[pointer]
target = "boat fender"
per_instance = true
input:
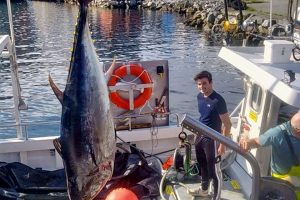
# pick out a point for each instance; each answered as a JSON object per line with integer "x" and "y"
{"x": 120, "y": 73}
{"x": 296, "y": 53}
{"x": 230, "y": 26}
{"x": 121, "y": 194}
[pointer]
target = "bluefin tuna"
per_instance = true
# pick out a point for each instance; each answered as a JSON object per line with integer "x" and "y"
{"x": 87, "y": 142}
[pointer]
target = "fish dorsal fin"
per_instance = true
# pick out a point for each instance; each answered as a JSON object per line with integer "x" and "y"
{"x": 58, "y": 93}
{"x": 57, "y": 146}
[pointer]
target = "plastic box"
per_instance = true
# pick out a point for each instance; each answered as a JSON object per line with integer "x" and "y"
{"x": 277, "y": 51}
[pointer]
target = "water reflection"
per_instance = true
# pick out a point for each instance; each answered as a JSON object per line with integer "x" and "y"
{"x": 44, "y": 37}
{"x": 116, "y": 33}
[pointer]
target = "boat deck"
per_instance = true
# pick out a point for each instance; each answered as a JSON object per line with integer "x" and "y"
{"x": 227, "y": 193}
{"x": 230, "y": 190}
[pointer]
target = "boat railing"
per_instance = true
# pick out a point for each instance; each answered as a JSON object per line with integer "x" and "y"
{"x": 235, "y": 118}
{"x": 199, "y": 128}
{"x": 8, "y": 49}
{"x": 235, "y": 112}
{"x": 10, "y": 131}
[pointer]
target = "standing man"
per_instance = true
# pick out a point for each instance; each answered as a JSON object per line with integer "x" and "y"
{"x": 213, "y": 113}
{"x": 285, "y": 142}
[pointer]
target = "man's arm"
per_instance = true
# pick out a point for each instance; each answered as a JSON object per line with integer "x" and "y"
{"x": 226, "y": 130}
{"x": 227, "y": 124}
{"x": 265, "y": 139}
{"x": 247, "y": 144}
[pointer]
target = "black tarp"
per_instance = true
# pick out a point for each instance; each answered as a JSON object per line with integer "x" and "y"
{"x": 18, "y": 181}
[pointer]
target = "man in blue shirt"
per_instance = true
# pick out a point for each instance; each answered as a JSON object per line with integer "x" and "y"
{"x": 213, "y": 113}
{"x": 284, "y": 163}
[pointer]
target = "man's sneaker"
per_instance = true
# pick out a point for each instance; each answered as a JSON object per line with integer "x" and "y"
{"x": 198, "y": 192}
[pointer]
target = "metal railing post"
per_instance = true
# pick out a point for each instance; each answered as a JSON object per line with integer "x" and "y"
{"x": 14, "y": 74}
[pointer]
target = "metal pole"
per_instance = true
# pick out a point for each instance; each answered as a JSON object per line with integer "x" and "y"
{"x": 12, "y": 35}
{"x": 271, "y": 11}
{"x": 289, "y": 11}
{"x": 14, "y": 74}
{"x": 240, "y": 11}
{"x": 226, "y": 9}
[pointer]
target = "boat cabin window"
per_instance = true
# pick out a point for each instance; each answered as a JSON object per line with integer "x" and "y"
{"x": 256, "y": 97}
{"x": 296, "y": 12}
{"x": 297, "y": 19}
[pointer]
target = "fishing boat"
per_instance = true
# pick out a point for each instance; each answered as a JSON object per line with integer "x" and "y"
{"x": 140, "y": 107}
{"x": 124, "y": 4}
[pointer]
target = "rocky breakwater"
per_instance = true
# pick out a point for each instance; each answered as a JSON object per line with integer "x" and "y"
{"x": 207, "y": 16}
{"x": 210, "y": 17}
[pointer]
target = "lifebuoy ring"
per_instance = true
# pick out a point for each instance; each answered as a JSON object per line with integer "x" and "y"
{"x": 134, "y": 70}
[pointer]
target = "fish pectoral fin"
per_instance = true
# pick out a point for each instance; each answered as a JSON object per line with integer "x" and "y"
{"x": 58, "y": 93}
{"x": 57, "y": 146}
{"x": 110, "y": 70}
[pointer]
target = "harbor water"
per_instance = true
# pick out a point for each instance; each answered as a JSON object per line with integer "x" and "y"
{"x": 44, "y": 38}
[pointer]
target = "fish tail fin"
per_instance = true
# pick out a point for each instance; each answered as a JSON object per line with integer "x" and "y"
{"x": 84, "y": 2}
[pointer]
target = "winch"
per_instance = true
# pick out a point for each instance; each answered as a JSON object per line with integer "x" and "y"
{"x": 182, "y": 157}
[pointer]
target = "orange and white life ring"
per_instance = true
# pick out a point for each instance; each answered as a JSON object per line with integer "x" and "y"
{"x": 121, "y": 72}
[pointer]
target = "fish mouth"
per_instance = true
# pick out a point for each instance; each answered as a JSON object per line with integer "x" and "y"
{"x": 92, "y": 186}
{"x": 91, "y": 183}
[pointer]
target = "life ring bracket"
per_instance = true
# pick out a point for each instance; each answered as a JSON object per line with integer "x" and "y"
{"x": 127, "y": 87}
